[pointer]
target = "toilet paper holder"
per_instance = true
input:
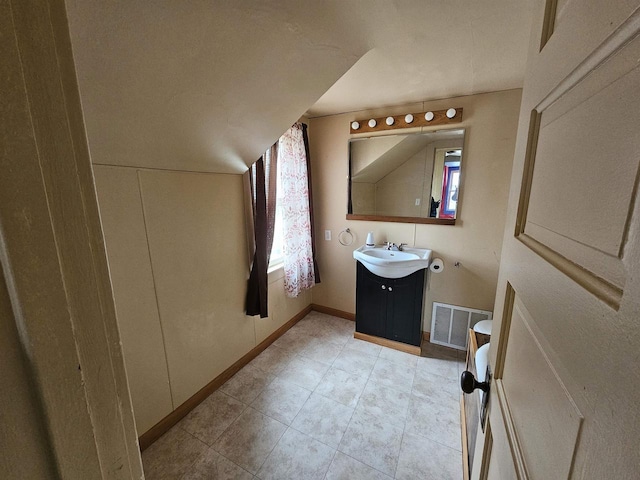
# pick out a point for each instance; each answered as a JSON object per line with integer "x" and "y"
{"x": 437, "y": 265}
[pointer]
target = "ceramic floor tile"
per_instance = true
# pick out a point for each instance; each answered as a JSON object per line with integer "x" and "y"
{"x": 250, "y": 439}
{"x": 445, "y": 367}
{"x": 281, "y": 400}
{"x": 339, "y": 322}
{"x": 344, "y": 467}
{"x": 213, "y": 466}
{"x": 440, "y": 351}
{"x": 297, "y": 457}
{"x": 436, "y": 387}
{"x": 373, "y": 442}
{"x": 432, "y": 420}
{"x": 341, "y": 386}
{"x": 423, "y": 458}
{"x": 171, "y": 455}
{"x": 313, "y": 315}
{"x": 343, "y": 325}
{"x": 323, "y": 419}
{"x": 338, "y": 326}
{"x": 209, "y": 419}
{"x": 363, "y": 417}
{"x": 321, "y": 317}
{"x": 333, "y": 335}
{"x": 388, "y": 404}
{"x": 393, "y": 375}
{"x": 306, "y": 331}
{"x": 307, "y": 326}
{"x": 273, "y": 359}
{"x": 293, "y": 342}
{"x": 399, "y": 357}
{"x": 352, "y": 361}
{"x": 321, "y": 351}
{"x": 363, "y": 347}
{"x": 304, "y": 372}
{"x": 348, "y": 331}
{"x": 247, "y": 384}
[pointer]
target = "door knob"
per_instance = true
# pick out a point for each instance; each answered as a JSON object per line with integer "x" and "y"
{"x": 383, "y": 287}
{"x": 468, "y": 383}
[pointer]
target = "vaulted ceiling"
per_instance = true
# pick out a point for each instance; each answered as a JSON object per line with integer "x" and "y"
{"x": 209, "y": 85}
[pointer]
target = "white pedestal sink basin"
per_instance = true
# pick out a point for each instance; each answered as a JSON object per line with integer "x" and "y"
{"x": 393, "y": 264}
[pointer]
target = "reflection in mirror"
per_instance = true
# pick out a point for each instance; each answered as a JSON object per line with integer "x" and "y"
{"x": 414, "y": 175}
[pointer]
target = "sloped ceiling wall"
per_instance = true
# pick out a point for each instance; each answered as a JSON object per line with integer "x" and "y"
{"x": 198, "y": 85}
{"x": 209, "y": 85}
{"x": 433, "y": 49}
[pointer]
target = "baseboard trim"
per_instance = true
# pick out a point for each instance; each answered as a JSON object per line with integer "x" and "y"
{"x": 333, "y": 311}
{"x": 160, "y": 428}
{"x": 403, "y": 347}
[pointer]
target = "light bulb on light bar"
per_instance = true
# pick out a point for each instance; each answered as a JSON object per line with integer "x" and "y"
{"x": 408, "y": 118}
{"x": 355, "y": 125}
{"x": 428, "y": 116}
{"x": 451, "y": 113}
{"x": 372, "y": 123}
{"x": 389, "y": 121}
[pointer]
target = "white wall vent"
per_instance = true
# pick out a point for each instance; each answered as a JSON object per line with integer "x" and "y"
{"x": 450, "y": 324}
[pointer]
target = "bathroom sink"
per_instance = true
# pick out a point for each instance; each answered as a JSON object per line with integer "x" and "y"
{"x": 390, "y": 263}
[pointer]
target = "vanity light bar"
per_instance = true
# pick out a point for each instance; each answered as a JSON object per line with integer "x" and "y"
{"x": 410, "y": 120}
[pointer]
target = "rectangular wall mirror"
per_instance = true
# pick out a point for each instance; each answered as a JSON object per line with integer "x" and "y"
{"x": 411, "y": 178}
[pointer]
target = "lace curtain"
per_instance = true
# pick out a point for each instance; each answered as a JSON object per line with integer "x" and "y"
{"x": 300, "y": 271}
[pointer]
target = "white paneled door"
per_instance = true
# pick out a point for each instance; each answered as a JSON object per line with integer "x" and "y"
{"x": 566, "y": 334}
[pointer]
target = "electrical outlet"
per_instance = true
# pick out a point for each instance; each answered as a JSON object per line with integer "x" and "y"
{"x": 417, "y": 202}
{"x": 327, "y": 234}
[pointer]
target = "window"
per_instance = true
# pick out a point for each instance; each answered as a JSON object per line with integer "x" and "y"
{"x": 277, "y": 255}
{"x": 292, "y": 246}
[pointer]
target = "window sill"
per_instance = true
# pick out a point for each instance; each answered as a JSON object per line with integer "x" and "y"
{"x": 275, "y": 271}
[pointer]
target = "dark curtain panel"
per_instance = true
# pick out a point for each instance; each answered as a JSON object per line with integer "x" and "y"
{"x": 305, "y": 136}
{"x": 263, "y": 176}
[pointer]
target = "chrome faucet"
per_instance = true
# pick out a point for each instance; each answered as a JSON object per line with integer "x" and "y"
{"x": 395, "y": 248}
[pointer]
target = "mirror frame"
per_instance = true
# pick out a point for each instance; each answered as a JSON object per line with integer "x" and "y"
{"x": 383, "y": 218}
{"x": 396, "y": 219}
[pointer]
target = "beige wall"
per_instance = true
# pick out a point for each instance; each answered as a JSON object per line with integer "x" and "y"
{"x": 365, "y": 153}
{"x": 396, "y": 192}
{"x": 363, "y": 198}
{"x": 475, "y": 241}
{"x": 176, "y": 245}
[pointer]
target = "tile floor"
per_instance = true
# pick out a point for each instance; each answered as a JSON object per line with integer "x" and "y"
{"x": 319, "y": 404}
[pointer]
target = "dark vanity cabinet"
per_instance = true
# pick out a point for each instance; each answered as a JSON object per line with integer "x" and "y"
{"x": 390, "y": 308}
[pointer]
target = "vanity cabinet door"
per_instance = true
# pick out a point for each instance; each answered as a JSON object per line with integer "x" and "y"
{"x": 371, "y": 302}
{"x": 390, "y": 308}
{"x": 404, "y": 309}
